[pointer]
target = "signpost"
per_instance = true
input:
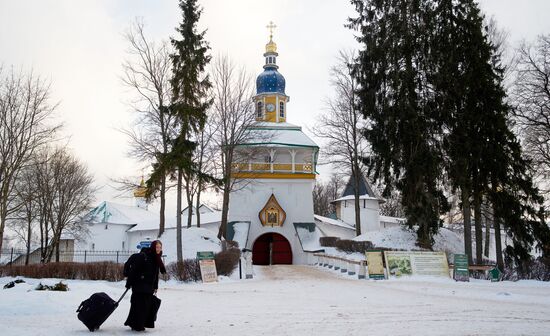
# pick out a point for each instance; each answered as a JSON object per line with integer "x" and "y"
{"x": 208, "y": 266}
{"x": 144, "y": 244}
{"x": 461, "y": 272}
{"x": 375, "y": 265}
{"x": 419, "y": 263}
{"x": 495, "y": 275}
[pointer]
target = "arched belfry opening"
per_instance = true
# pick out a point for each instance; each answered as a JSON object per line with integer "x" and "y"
{"x": 271, "y": 249}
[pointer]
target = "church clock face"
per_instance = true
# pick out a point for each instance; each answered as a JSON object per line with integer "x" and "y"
{"x": 270, "y": 107}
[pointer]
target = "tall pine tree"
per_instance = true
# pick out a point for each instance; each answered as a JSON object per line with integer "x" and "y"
{"x": 189, "y": 103}
{"x": 404, "y": 127}
{"x": 483, "y": 156}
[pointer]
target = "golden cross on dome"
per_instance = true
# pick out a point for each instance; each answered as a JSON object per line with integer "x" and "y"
{"x": 270, "y": 26}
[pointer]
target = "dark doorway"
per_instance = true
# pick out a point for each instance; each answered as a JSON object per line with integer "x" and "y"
{"x": 271, "y": 249}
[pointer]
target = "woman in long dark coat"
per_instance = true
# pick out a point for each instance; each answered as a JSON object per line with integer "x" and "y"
{"x": 143, "y": 278}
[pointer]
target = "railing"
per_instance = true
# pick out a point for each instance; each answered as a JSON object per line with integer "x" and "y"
{"x": 273, "y": 167}
{"x": 18, "y": 257}
{"x": 344, "y": 265}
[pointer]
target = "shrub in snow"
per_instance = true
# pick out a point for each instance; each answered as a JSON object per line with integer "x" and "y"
{"x": 185, "y": 271}
{"x": 109, "y": 271}
{"x": 227, "y": 261}
{"x": 538, "y": 269}
{"x": 351, "y": 246}
{"x": 60, "y": 287}
{"x": 328, "y": 241}
{"x": 12, "y": 284}
{"x": 230, "y": 244}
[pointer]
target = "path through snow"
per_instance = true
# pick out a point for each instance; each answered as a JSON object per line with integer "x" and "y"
{"x": 297, "y": 300}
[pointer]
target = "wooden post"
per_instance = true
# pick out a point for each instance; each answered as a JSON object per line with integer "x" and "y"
{"x": 362, "y": 270}
{"x": 248, "y": 265}
{"x": 344, "y": 266}
{"x": 351, "y": 268}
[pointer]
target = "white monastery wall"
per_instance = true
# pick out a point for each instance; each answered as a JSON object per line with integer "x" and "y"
{"x": 294, "y": 196}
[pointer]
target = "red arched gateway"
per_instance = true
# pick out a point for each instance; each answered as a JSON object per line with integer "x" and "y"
{"x": 271, "y": 249}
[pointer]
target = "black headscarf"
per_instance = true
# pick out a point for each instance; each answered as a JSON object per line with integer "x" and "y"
{"x": 158, "y": 257}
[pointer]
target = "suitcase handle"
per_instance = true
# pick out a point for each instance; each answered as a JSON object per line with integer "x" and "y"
{"x": 126, "y": 291}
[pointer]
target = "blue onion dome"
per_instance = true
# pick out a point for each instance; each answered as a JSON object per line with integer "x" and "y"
{"x": 270, "y": 81}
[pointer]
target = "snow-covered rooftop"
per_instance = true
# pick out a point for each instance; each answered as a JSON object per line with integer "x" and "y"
{"x": 267, "y": 124}
{"x": 395, "y": 220}
{"x": 335, "y": 222}
{"x": 278, "y": 135}
{"x": 361, "y": 197}
{"x": 170, "y": 221}
{"x": 113, "y": 213}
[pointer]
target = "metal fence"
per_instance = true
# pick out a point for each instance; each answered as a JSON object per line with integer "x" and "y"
{"x": 18, "y": 257}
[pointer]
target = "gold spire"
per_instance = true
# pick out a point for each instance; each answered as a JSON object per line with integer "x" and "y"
{"x": 141, "y": 190}
{"x": 271, "y": 47}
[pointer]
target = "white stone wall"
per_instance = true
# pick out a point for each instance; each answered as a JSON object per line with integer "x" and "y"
{"x": 330, "y": 230}
{"x": 294, "y": 196}
{"x": 370, "y": 215}
{"x": 105, "y": 237}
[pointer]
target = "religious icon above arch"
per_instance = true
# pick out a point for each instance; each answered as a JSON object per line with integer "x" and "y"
{"x": 272, "y": 213}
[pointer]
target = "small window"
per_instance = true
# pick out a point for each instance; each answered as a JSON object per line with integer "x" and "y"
{"x": 281, "y": 109}
{"x": 123, "y": 246}
{"x": 259, "y": 109}
{"x": 106, "y": 226}
{"x": 93, "y": 246}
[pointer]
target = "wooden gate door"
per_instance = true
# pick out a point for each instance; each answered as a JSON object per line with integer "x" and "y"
{"x": 271, "y": 249}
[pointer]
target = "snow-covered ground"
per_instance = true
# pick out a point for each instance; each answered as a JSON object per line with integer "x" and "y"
{"x": 401, "y": 238}
{"x": 295, "y": 300}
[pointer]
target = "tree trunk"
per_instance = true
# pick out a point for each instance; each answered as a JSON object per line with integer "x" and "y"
{"x": 41, "y": 240}
{"x": 162, "y": 207}
{"x": 189, "y": 196}
{"x": 1, "y": 236}
{"x": 478, "y": 228}
{"x": 29, "y": 235}
{"x": 355, "y": 173}
{"x": 496, "y": 225}
{"x": 3, "y": 216}
{"x": 198, "y": 214}
{"x": 178, "y": 218}
{"x": 486, "y": 247}
{"x": 227, "y": 163}
{"x": 57, "y": 251}
{"x": 222, "y": 233}
{"x": 467, "y": 224}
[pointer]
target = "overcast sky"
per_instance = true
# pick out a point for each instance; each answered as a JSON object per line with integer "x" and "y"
{"x": 79, "y": 47}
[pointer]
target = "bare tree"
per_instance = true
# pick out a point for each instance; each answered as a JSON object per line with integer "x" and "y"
{"x": 72, "y": 196}
{"x": 531, "y": 93}
{"x": 341, "y": 126}
{"x": 25, "y": 116}
{"x": 232, "y": 115}
{"x": 206, "y": 156}
{"x": 147, "y": 71}
{"x": 25, "y": 219}
{"x": 321, "y": 201}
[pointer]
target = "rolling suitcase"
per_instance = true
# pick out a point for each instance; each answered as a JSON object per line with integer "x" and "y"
{"x": 95, "y": 310}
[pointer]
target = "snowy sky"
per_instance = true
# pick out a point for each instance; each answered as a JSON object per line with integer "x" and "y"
{"x": 79, "y": 46}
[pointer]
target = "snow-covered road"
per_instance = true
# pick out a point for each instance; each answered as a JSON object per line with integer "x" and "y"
{"x": 297, "y": 300}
